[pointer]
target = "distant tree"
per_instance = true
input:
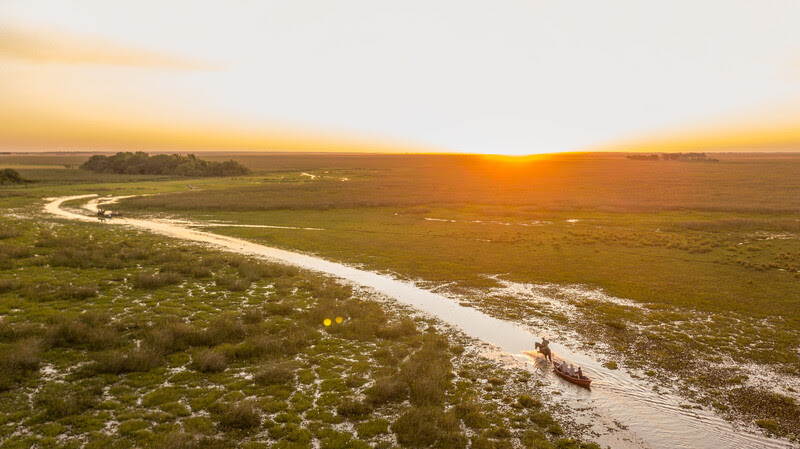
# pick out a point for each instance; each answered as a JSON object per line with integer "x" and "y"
{"x": 688, "y": 157}
{"x": 11, "y": 176}
{"x": 141, "y": 163}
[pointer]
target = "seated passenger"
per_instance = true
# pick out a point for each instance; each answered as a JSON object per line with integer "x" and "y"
{"x": 563, "y": 367}
{"x": 571, "y": 370}
{"x": 580, "y": 373}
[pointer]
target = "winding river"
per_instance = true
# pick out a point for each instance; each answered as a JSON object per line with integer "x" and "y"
{"x": 640, "y": 416}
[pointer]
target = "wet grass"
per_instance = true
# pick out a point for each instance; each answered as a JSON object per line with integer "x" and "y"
{"x": 192, "y": 363}
{"x": 709, "y": 250}
{"x": 694, "y": 244}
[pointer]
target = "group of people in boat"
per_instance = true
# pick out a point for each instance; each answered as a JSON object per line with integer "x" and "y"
{"x": 570, "y": 370}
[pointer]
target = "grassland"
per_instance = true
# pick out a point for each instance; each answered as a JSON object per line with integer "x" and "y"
{"x": 114, "y": 338}
{"x": 710, "y": 250}
{"x": 709, "y": 253}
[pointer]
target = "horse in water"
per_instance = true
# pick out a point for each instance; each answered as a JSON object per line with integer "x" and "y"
{"x": 545, "y": 350}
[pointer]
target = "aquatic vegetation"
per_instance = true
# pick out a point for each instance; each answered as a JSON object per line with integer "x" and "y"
{"x": 189, "y": 363}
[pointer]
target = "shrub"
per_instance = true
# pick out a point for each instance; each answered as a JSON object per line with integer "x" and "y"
{"x": 180, "y": 440}
{"x": 353, "y": 409}
{"x": 83, "y": 333}
{"x": 233, "y": 283}
{"x": 172, "y": 336}
{"x": 252, "y": 316}
{"x": 223, "y": 329}
{"x": 495, "y": 381}
{"x": 209, "y": 361}
{"x": 252, "y": 271}
{"x": 254, "y": 348}
{"x": 278, "y": 309}
{"x": 529, "y": 402}
{"x": 133, "y": 360}
{"x": 10, "y": 251}
{"x": 59, "y": 400}
{"x": 402, "y": 328}
{"x": 7, "y": 232}
{"x": 428, "y": 371}
{"x": 156, "y": 280}
{"x": 189, "y": 268}
{"x": 611, "y": 365}
{"x": 7, "y": 285}
{"x": 372, "y": 428}
{"x": 470, "y": 413}
{"x": 239, "y": 416}
{"x": 424, "y": 427}
{"x": 387, "y": 389}
{"x": 82, "y": 257}
{"x": 78, "y": 292}
{"x": 769, "y": 425}
{"x": 17, "y": 359}
{"x": 279, "y": 373}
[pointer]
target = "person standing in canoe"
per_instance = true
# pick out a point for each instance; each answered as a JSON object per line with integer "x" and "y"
{"x": 544, "y": 348}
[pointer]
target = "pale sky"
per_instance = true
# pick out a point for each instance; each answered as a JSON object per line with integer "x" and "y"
{"x": 507, "y": 77}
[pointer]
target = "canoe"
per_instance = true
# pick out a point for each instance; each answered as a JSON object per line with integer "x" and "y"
{"x": 585, "y": 382}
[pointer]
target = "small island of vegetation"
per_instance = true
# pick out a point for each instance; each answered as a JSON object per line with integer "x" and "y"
{"x": 11, "y": 176}
{"x": 141, "y": 163}
{"x": 683, "y": 157}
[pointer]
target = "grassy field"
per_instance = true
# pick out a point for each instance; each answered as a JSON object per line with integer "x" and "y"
{"x": 112, "y": 338}
{"x": 709, "y": 251}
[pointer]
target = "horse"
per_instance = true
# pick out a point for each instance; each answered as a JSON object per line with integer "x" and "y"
{"x": 545, "y": 350}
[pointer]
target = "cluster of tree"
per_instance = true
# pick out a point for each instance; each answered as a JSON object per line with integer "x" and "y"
{"x": 11, "y": 176}
{"x": 688, "y": 157}
{"x": 141, "y": 163}
{"x": 684, "y": 157}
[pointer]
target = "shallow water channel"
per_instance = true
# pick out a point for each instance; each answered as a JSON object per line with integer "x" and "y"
{"x": 623, "y": 411}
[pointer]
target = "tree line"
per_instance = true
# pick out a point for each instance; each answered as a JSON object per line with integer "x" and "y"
{"x": 141, "y": 163}
{"x": 685, "y": 157}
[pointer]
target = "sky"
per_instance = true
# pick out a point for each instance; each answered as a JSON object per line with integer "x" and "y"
{"x": 500, "y": 77}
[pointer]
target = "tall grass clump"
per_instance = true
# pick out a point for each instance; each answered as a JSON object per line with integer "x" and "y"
{"x": 85, "y": 257}
{"x": 7, "y": 285}
{"x": 42, "y": 292}
{"x": 209, "y": 361}
{"x": 275, "y": 374}
{"x": 133, "y": 360}
{"x": 223, "y": 329}
{"x": 11, "y": 251}
{"x": 428, "y": 426}
{"x": 354, "y": 409}
{"x": 387, "y": 389}
{"x": 8, "y": 232}
{"x": 233, "y": 283}
{"x": 90, "y": 332}
{"x": 156, "y": 280}
{"x": 18, "y": 359}
{"x": 428, "y": 371}
{"x": 243, "y": 415}
{"x": 60, "y": 400}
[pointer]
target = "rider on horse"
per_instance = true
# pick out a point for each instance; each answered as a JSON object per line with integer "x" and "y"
{"x": 544, "y": 348}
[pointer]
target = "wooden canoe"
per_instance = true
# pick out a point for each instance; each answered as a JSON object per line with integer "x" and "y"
{"x": 585, "y": 382}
